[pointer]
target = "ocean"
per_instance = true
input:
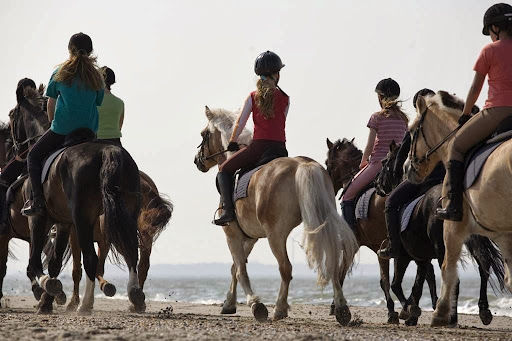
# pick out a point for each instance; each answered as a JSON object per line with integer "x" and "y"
{"x": 208, "y": 284}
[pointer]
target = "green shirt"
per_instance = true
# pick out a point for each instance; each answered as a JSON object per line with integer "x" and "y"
{"x": 75, "y": 107}
{"x": 110, "y": 114}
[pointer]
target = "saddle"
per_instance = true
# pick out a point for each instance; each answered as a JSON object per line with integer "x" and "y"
{"x": 243, "y": 176}
{"x": 476, "y": 157}
{"x": 77, "y": 136}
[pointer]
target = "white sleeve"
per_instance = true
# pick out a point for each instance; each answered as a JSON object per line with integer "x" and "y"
{"x": 244, "y": 116}
{"x": 287, "y": 107}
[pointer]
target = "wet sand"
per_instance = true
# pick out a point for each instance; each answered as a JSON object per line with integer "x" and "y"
{"x": 111, "y": 320}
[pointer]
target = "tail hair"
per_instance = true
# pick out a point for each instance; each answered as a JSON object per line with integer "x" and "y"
{"x": 328, "y": 241}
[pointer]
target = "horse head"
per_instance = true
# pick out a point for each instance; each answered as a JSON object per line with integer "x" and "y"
{"x": 28, "y": 120}
{"x": 5, "y": 144}
{"x": 342, "y": 162}
{"x": 387, "y": 180}
{"x": 215, "y": 138}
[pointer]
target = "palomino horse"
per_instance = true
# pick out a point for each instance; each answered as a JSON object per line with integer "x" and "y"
{"x": 281, "y": 195}
{"x": 342, "y": 163}
{"x": 86, "y": 180}
{"x": 423, "y": 239}
{"x": 486, "y": 204}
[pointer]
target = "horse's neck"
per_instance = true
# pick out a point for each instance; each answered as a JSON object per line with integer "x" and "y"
{"x": 35, "y": 126}
{"x": 439, "y": 127}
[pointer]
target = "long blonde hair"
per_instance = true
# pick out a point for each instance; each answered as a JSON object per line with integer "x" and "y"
{"x": 391, "y": 106}
{"x": 265, "y": 96}
{"x": 83, "y": 66}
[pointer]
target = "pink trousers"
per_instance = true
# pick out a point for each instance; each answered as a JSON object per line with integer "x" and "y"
{"x": 362, "y": 179}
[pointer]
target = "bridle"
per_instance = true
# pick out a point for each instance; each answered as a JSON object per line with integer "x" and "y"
{"x": 414, "y": 160}
{"x": 352, "y": 170}
{"x": 206, "y": 143}
{"x": 17, "y": 146}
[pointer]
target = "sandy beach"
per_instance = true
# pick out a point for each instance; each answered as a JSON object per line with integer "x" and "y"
{"x": 184, "y": 321}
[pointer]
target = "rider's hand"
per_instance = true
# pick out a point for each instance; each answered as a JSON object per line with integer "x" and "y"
{"x": 233, "y": 147}
{"x": 463, "y": 119}
{"x": 363, "y": 164}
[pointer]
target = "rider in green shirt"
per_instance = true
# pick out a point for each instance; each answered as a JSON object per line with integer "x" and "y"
{"x": 111, "y": 111}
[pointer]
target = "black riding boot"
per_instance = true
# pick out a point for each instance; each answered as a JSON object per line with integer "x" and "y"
{"x": 37, "y": 206}
{"x": 454, "y": 190}
{"x": 348, "y": 213}
{"x": 4, "y": 227}
{"x": 392, "y": 250}
{"x": 225, "y": 181}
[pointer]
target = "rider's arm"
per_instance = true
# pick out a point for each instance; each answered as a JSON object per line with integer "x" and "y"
{"x": 242, "y": 120}
{"x": 369, "y": 147}
{"x": 474, "y": 92}
{"x": 121, "y": 120}
{"x": 51, "y": 108}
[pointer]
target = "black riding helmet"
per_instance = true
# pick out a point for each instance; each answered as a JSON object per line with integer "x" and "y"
{"x": 26, "y": 82}
{"x": 388, "y": 88}
{"x": 109, "y": 76}
{"x": 422, "y": 92}
{"x": 267, "y": 63}
{"x": 80, "y": 42}
{"x": 497, "y": 14}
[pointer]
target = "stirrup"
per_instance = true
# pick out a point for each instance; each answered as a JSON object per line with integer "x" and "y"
{"x": 218, "y": 221}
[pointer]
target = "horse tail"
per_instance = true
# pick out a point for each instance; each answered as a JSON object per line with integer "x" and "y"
{"x": 156, "y": 211}
{"x": 488, "y": 256}
{"x": 120, "y": 223}
{"x": 328, "y": 241}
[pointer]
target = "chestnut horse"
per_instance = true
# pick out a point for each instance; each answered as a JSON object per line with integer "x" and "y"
{"x": 281, "y": 195}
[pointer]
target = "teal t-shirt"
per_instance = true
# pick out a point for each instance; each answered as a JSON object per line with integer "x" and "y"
{"x": 76, "y": 106}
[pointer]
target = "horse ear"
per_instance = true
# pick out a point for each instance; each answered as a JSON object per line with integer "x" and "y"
{"x": 352, "y": 141}
{"x": 41, "y": 89}
{"x": 421, "y": 104}
{"x": 329, "y": 143}
{"x": 392, "y": 146}
{"x": 208, "y": 113}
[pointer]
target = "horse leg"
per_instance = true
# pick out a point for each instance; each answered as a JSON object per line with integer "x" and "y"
{"x": 229, "y": 306}
{"x": 45, "y": 305}
{"x": 145, "y": 248}
{"x": 4, "y": 253}
{"x": 38, "y": 232}
{"x": 385, "y": 285}
{"x": 108, "y": 288}
{"x": 236, "y": 246}
{"x": 401, "y": 264}
{"x": 431, "y": 281}
{"x": 278, "y": 247}
{"x": 55, "y": 264}
{"x": 483, "y": 305}
{"x": 417, "y": 289}
{"x": 77, "y": 270}
{"x": 454, "y": 235}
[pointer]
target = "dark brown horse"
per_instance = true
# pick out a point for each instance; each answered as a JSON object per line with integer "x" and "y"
{"x": 342, "y": 163}
{"x": 85, "y": 181}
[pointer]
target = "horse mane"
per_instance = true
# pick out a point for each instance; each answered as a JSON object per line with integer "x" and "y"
{"x": 349, "y": 151}
{"x": 36, "y": 97}
{"x": 224, "y": 120}
{"x": 5, "y": 130}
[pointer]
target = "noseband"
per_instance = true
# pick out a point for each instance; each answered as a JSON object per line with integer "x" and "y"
{"x": 415, "y": 161}
{"x": 206, "y": 143}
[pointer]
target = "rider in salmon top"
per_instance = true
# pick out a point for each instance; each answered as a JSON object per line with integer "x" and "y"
{"x": 495, "y": 62}
{"x": 269, "y": 107}
{"x": 74, "y": 91}
{"x": 386, "y": 125}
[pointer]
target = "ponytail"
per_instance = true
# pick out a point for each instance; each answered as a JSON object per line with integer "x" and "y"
{"x": 81, "y": 66}
{"x": 265, "y": 96}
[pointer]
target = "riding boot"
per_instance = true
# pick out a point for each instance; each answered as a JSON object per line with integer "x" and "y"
{"x": 452, "y": 192}
{"x": 4, "y": 227}
{"x": 348, "y": 213}
{"x": 37, "y": 206}
{"x": 225, "y": 181}
{"x": 392, "y": 250}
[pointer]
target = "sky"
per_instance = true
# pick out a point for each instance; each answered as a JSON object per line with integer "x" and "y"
{"x": 171, "y": 58}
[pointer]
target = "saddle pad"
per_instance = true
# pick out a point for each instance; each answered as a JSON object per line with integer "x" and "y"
{"x": 243, "y": 184}
{"x": 48, "y": 163}
{"x": 477, "y": 161}
{"x": 13, "y": 187}
{"x": 407, "y": 212}
{"x": 363, "y": 204}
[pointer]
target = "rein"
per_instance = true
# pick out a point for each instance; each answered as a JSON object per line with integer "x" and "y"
{"x": 415, "y": 161}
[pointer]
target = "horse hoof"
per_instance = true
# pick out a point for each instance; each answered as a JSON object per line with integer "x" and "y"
{"x": 61, "y": 298}
{"x": 82, "y": 311}
{"x": 230, "y": 310}
{"x": 109, "y": 289}
{"x": 343, "y": 315}
{"x": 37, "y": 291}
{"x": 44, "y": 310}
{"x": 137, "y": 297}
{"x": 411, "y": 321}
{"x": 71, "y": 307}
{"x": 439, "y": 322}
{"x": 393, "y": 318}
{"x": 414, "y": 311}
{"x": 333, "y": 310}
{"x": 53, "y": 287}
{"x": 280, "y": 315}
{"x": 486, "y": 316}
{"x": 260, "y": 312}
{"x": 404, "y": 315}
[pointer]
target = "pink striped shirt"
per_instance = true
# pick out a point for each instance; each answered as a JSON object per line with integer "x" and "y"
{"x": 388, "y": 129}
